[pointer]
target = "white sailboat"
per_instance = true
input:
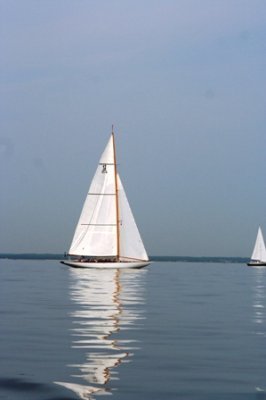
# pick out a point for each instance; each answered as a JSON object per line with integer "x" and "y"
{"x": 106, "y": 235}
{"x": 258, "y": 257}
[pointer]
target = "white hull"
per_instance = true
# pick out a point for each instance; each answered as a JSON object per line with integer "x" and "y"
{"x": 106, "y": 265}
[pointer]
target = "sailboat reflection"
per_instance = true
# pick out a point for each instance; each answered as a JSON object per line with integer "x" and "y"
{"x": 108, "y": 304}
{"x": 259, "y": 302}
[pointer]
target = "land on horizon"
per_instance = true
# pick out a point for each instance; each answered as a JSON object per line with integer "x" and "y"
{"x": 52, "y": 256}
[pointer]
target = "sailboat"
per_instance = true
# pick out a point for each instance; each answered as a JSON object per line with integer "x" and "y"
{"x": 258, "y": 257}
{"x": 106, "y": 235}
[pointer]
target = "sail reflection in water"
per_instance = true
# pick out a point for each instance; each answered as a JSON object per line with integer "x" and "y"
{"x": 108, "y": 304}
{"x": 259, "y": 300}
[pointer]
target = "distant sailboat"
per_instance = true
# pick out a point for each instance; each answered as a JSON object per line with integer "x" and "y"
{"x": 106, "y": 235}
{"x": 258, "y": 257}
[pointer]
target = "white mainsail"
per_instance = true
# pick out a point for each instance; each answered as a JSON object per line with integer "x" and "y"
{"x": 95, "y": 233}
{"x": 106, "y": 227}
{"x": 259, "y": 252}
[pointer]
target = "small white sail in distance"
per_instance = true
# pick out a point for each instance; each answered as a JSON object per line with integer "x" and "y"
{"x": 106, "y": 227}
{"x": 259, "y": 251}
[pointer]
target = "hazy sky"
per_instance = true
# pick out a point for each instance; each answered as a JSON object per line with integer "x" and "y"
{"x": 184, "y": 83}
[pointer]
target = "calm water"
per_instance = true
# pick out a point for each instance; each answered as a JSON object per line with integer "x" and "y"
{"x": 172, "y": 331}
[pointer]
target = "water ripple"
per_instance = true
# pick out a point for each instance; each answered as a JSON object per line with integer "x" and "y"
{"x": 106, "y": 303}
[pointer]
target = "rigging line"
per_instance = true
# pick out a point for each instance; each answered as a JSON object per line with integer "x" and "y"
{"x": 106, "y": 163}
{"x": 99, "y": 224}
{"x": 133, "y": 258}
{"x": 101, "y": 194}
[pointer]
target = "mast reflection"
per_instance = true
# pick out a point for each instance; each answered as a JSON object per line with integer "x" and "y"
{"x": 108, "y": 304}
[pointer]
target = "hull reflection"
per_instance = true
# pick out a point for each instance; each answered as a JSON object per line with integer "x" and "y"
{"x": 108, "y": 304}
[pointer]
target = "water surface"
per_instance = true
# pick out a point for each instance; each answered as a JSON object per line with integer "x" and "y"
{"x": 174, "y": 330}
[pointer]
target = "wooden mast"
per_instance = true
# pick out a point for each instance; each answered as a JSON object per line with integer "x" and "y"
{"x": 116, "y": 201}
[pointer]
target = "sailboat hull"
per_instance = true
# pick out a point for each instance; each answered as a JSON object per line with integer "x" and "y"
{"x": 106, "y": 265}
{"x": 257, "y": 264}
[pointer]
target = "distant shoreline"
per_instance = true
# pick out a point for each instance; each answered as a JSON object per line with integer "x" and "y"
{"x": 48, "y": 256}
